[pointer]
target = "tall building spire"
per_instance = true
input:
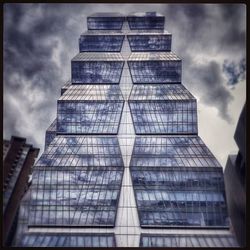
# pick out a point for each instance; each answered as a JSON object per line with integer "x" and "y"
{"x": 123, "y": 164}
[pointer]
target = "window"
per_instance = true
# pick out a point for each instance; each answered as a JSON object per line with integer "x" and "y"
{"x": 145, "y": 22}
{"x": 50, "y": 133}
{"x": 67, "y": 240}
{"x": 97, "y": 68}
{"x": 163, "y": 109}
{"x": 90, "y": 109}
{"x": 172, "y": 189}
{"x": 105, "y": 21}
{"x": 154, "y": 67}
{"x": 101, "y": 43}
{"x": 187, "y": 240}
{"x": 150, "y": 42}
{"x": 77, "y": 182}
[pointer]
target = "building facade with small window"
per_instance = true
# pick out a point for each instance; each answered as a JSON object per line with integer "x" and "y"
{"x": 18, "y": 159}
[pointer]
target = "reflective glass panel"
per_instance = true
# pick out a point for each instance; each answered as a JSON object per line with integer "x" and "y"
{"x": 188, "y": 240}
{"x": 163, "y": 109}
{"x": 148, "y": 20}
{"x": 50, "y": 133}
{"x": 160, "y": 92}
{"x": 96, "y": 68}
{"x": 169, "y": 194}
{"x": 154, "y": 67}
{"x": 149, "y": 42}
{"x": 67, "y": 240}
{"x": 102, "y": 43}
{"x": 77, "y": 182}
{"x": 90, "y": 109}
{"x": 172, "y": 151}
{"x": 65, "y": 87}
{"x": 105, "y": 21}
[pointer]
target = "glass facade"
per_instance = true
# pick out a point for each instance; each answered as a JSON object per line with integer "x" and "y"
{"x": 171, "y": 151}
{"x": 101, "y": 43}
{"x": 77, "y": 182}
{"x": 90, "y": 109}
{"x": 187, "y": 240}
{"x": 105, "y": 21}
{"x": 96, "y": 68}
{"x": 152, "y": 42}
{"x": 154, "y": 67}
{"x": 123, "y": 164}
{"x": 50, "y": 133}
{"x": 66, "y": 86}
{"x": 163, "y": 109}
{"x": 148, "y": 20}
{"x": 65, "y": 240}
{"x": 188, "y": 199}
{"x": 177, "y": 182}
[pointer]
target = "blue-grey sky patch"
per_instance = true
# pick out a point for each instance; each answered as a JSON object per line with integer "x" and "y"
{"x": 235, "y": 72}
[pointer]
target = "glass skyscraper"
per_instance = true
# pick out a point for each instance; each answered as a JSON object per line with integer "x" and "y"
{"x": 123, "y": 164}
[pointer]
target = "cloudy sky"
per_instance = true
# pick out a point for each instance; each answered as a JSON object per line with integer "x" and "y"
{"x": 41, "y": 39}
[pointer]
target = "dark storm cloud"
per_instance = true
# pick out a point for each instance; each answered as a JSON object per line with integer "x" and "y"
{"x": 200, "y": 31}
{"x": 213, "y": 92}
{"x": 209, "y": 26}
{"x": 32, "y": 77}
{"x": 41, "y": 39}
{"x": 235, "y": 72}
{"x": 235, "y": 36}
{"x": 28, "y": 50}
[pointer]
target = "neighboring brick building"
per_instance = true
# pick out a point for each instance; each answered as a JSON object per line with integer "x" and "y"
{"x": 18, "y": 159}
